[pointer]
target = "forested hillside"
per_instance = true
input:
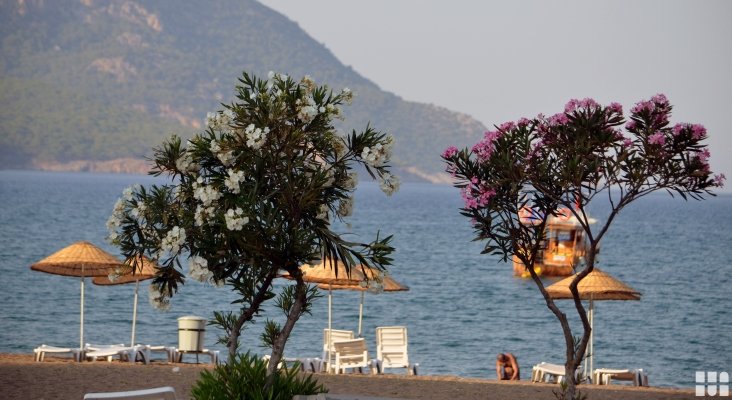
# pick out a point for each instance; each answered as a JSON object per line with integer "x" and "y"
{"x": 99, "y": 80}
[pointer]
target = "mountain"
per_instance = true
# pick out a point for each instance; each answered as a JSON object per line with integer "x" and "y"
{"x": 87, "y": 82}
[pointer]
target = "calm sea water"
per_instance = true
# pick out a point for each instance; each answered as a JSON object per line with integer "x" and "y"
{"x": 463, "y": 308}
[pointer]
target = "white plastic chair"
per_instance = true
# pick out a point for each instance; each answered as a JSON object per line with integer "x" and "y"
{"x": 160, "y": 393}
{"x": 392, "y": 349}
{"x": 350, "y": 354}
{"x": 40, "y": 352}
{"x": 338, "y": 335}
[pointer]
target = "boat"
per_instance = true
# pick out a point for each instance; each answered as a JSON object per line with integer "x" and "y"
{"x": 566, "y": 244}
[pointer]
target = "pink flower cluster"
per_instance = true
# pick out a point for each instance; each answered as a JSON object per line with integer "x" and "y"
{"x": 719, "y": 180}
{"x": 484, "y": 148}
{"x": 657, "y": 138}
{"x": 658, "y": 108}
{"x": 477, "y": 194}
{"x": 449, "y": 152}
{"x": 698, "y": 131}
{"x": 586, "y": 103}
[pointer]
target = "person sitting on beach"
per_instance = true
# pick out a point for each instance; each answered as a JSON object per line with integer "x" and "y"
{"x": 507, "y": 367}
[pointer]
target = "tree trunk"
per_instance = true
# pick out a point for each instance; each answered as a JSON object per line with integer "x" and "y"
{"x": 278, "y": 347}
{"x": 247, "y": 314}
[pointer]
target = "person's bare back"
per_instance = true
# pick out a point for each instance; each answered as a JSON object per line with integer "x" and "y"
{"x": 507, "y": 367}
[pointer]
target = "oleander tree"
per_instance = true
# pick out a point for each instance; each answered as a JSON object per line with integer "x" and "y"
{"x": 565, "y": 161}
{"x": 255, "y": 196}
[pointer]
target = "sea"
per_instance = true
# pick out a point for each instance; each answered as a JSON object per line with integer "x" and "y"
{"x": 462, "y": 308}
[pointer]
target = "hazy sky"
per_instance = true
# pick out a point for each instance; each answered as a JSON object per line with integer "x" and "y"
{"x": 500, "y": 61}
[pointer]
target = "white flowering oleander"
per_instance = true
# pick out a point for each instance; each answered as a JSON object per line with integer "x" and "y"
{"x": 380, "y": 154}
{"x": 206, "y": 194}
{"x": 204, "y": 214}
{"x": 307, "y": 109}
{"x": 339, "y": 146}
{"x": 221, "y": 122}
{"x": 323, "y": 212}
{"x": 389, "y": 183}
{"x": 345, "y": 208}
{"x": 185, "y": 163}
{"x": 198, "y": 269}
{"x": 129, "y": 191}
{"x": 255, "y": 136}
{"x": 173, "y": 240}
{"x": 139, "y": 211}
{"x": 347, "y": 95}
{"x": 158, "y": 300}
{"x": 351, "y": 181}
{"x": 226, "y": 157}
{"x": 233, "y": 180}
{"x": 235, "y": 219}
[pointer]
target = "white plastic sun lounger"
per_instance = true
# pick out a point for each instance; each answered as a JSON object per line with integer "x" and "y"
{"x": 391, "y": 349}
{"x": 161, "y": 393}
{"x": 40, "y": 352}
{"x": 546, "y": 372}
{"x": 604, "y": 376}
{"x": 125, "y": 353}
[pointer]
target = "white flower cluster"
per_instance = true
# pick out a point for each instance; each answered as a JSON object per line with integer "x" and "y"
{"x": 235, "y": 219}
{"x": 233, "y": 180}
{"x": 389, "y": 183}
{"x": 226, "y": 157}
{"x": 203, "y": 214}
{"x": 347, "y": 95}
{"x": 206, "y": 194}
{"x": 323, "y": 212}
{"x": 139, "y": 211}
{"x": 351, "y": 181}
{"x": 198, "y": 269}
{"x": 221, "y": 122}
{"x": 185, "y": 163}
{"x": 345, "y": 208}
{"x": 158, "y": 300}
{"x": 307, "y": 110}
{"x": 115, "y": 220}
{"x": 339, "y": 146}
{"x": 255, "y": 136}
{"x": 379, "y": 154}
{"x": 173, "y": 240}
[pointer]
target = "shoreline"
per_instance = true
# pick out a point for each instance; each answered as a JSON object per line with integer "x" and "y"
{"x": 61, "y": 378}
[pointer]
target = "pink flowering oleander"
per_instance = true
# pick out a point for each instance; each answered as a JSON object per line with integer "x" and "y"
{"x": 523, "y": 122}
{"x": 679, "y": 128}
{"x": 616, "y": 107}
{"x": 574, "y": 104}
{"x": 698, "y": 131}
{"x": 627, "y": 142}
{"x": 484, "y": 148}
{"x": 631, "y": 125}
{"x": 450, "y": 152}
{"x": 719, "y": 180}
{"x": 507, "y": 126}
{"x": 657, "y": 138}
{"x": 704, "y": 156}
{"x": 558, "y": 119}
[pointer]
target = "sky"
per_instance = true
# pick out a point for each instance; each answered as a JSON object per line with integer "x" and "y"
{"x": 500, "y": 61}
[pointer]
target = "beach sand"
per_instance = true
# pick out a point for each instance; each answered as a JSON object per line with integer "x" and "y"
{"x": 61, "y": 378}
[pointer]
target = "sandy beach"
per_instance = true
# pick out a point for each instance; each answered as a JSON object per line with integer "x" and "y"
{"x": 60, "y": 378}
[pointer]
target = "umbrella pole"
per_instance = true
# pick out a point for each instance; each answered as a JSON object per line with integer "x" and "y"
{"x": 134, "y": 313}
{"x": 330, "y": 323}
{"x": 360, "y": 315}
{"x": 592, "y": 335}
{"x": 81, "y": 317}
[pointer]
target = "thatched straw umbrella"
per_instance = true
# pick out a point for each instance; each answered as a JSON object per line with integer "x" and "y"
{"x": 80, "y": 259}
{"x": 597, "y": 285}
{"x": 134, "y": 270}
{"x": 375, "y": 283}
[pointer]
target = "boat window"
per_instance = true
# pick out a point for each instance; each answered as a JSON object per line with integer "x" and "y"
{"x": 565, "y": 236}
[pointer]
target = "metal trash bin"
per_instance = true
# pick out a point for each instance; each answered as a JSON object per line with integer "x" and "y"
{"x": 191, "y": 332}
